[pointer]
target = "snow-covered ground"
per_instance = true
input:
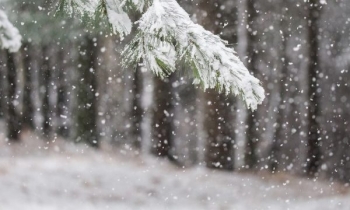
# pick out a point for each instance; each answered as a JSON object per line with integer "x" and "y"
{"x": 34, "y": 175}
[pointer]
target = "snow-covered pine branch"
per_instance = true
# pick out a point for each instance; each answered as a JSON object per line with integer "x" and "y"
{"x": 166, "y": 35}
{"x": 9, "y": 35}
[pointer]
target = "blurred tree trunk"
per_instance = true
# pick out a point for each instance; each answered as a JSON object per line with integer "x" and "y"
{"x": 314, "y": 147}
{"x": 280, "y": 132}
{"x": 45, "y": 90}
{"x": 12, "y": 117}
{"x": 62, "y": 97}
{"x": 2, "y": 85}
{"x": 137, "y": 111}
{"x": 86, "y": 113}
{"x": 252, "y": 136}
{"x": 28, "y": 107}
{"x": 219, "y": 152}
{"x": 163, "y": 111}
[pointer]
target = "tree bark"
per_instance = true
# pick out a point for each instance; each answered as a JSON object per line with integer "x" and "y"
{"x": 45, "y": 89}
{"x": 86, "y": 120}
{"x": 252, "y": 135}
{"x": 279, "y": 132}
{"x": 28, "y": 108}
{"x": 314, "y": 145}
{"x": 163, "y": 111}
{"x": 2, "y": 86}
{"x": 219, "y": 152}
{"x": 12, "y": 117}
{"x": 62, "y": 97}
{"x": 137, "y": 111}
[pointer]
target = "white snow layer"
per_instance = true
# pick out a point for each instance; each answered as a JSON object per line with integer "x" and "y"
{"x": 166, "y": 35}
{"x": 119, "y": 20}
{"x": 35, "y": 175}
{"x": 9, "y": 35}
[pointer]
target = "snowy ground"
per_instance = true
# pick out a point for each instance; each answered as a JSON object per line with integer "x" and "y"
{"x": 62, "y": 176}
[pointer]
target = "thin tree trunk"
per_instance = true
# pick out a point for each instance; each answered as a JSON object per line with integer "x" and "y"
{"x": 28, "y": 108}
{"x": 162, "y": 137}
{"x": 314, "y": 147}
{"x": 252, "y": 135}
{"x": 12, "y": 117}
{"x": 279, "y": 133}
{"x": 137, "y": 111}
{"x": 45, "y": 88}
{"x": 62, "y": 97}
{"x": 2, "y": 86}
{"x": 86, "y": 120}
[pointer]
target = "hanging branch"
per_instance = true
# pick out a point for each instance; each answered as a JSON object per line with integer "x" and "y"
{"x": 166, "y": 35}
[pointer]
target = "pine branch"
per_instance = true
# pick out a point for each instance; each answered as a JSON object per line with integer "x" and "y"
{"x": 166, "y": 35}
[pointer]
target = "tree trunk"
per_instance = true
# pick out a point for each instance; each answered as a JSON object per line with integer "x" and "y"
{"x": 12, "y": 117}
{"x": 62, "y": 97}
{"x": 45, "y": 90}
{"x": 163, "y": 111}
{"x": 137, "y": 111}
{"x": 2, "y": 86}
{"x": 314, "y": 147}
{"x": 28, "y": 108}
{"x": 280, "y": 133}
{"x": 252, "y": 136}
{"x": 219, "y": 151}
{"x": 86, "y": 120}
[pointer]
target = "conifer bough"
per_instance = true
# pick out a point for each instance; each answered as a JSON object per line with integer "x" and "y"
{"x": 165, "y": 36}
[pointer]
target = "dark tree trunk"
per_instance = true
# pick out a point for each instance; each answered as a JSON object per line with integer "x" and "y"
{"x": 162, "y": 125}
{"x": 2, "y": 85}
{"x": 12, "y": 117}
{"x": 45, "y": 90}
{"x": 28, "y": 107}
{"x": 219, "y": 151}
{"x": 137, "y": 111}
{"x": 86, "y": 120}
{"x": 314, "y": 147}
{"x": 62, "y": 97}
{"x": 187, "y": 129}
{"x": 252, "y": 135}
{"x": 280, "y": 132}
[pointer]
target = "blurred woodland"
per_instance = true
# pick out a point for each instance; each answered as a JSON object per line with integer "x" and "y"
{"x": 67, "y": 81}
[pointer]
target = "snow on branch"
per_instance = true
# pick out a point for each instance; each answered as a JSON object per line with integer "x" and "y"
{"x": 167, "y": 35}
{"x": 139, "y": 5}
{"x": 113, "y": 9}
{"x": 9, "y": 35}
